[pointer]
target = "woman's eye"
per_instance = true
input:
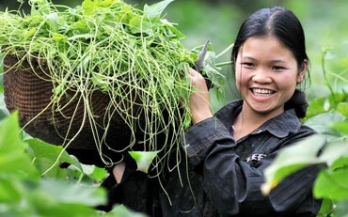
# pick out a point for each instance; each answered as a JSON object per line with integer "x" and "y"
{"x": 248, "y": 64}
{"x": 277, "y": 67}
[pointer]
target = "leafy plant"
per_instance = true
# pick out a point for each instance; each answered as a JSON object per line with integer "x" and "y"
{"x": 133, "y": 56}
{"x": 328, "y": 115}
{"x": 24, "y": 186}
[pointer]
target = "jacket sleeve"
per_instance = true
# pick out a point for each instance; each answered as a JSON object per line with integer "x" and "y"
{"x": 232, "y": 184}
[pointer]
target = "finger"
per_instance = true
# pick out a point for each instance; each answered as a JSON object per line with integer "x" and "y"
{"x": 193, "y": 72}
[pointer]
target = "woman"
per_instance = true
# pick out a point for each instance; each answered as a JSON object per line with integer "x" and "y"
{"x": 228, "y": 152}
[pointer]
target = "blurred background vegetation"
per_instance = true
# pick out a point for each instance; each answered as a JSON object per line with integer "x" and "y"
{"x": 324, "y": 21}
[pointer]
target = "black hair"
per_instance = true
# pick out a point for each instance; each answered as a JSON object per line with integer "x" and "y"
{"x": 278, "y": 22}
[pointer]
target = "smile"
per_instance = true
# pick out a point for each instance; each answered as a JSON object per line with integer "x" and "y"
{"x": 262, "y": 92}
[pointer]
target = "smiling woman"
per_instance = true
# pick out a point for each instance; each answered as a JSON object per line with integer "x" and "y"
{"x": 228, "y": 151}
{"x": 266, "y": 76}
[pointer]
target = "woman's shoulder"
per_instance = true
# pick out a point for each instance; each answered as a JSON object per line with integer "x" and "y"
{"x": 229, "y": 110}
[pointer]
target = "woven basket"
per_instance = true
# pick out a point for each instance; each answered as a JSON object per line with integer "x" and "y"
{"x": 30, "y": 92}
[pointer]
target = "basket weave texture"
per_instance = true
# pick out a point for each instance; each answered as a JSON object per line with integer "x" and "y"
{"x": 28, "y": 89}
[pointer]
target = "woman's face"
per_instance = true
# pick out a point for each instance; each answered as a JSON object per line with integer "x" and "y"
{"x": 266, "y": 75}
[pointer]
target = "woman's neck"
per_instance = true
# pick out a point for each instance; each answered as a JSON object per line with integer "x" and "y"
{"x": 248, "y": 120}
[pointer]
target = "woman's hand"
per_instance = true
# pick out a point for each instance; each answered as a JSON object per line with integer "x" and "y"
{"x": 199, "y": 99}
{"x": 118, "y": 172}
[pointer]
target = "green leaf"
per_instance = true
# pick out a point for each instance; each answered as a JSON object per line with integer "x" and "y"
{"x": 13, "y": 158}
{"x": 40, "y": 7}
{"x": 156, "y": 9}
{"x": 140, "y": 25}
{"x": 95, "y": 173}
{"x": 143, "y": 159}
{"x": 334, "y": 150}
{"x": 332, "y": 185}
{"x": 122, "y": 211}
{"x": 169, "y": 27}
{"x": 10, "y": 190}
{"x": 291, "y": 159}
{"x": 48, "y": 158}
{"x": 322, "y": 124}
{"x": 59, "y": 37}
{"x": 342, "y": 107}
{"x": 341, "y": 209}
{"x": 43, "y": 204}
{"x": 106, "y": 3}
{"x": 317, "y": 106}
{"x": 341, "y": 127}
{"x": 88, "y": 7}
{"x": 10, "y": 140}
{"x": 72, "y": 193}
{"x": 341, "y": 161}
{"x": 326, "y": 208}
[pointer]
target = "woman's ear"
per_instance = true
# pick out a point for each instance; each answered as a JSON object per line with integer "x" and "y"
{"x": 302, "y": 71}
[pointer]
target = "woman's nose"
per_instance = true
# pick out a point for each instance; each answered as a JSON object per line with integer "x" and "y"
{"x": 261, "y": 76}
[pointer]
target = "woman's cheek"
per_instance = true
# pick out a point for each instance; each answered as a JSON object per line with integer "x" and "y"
{"x": 241, "y": 80}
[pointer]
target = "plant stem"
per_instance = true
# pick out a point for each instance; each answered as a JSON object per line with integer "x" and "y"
{"x": 224, "y": 51}
{"x": 327, "y": 83}
{"x": 223, "y": 63}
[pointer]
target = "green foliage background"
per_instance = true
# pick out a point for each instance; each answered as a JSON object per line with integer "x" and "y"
{"x": 324, "y": 22}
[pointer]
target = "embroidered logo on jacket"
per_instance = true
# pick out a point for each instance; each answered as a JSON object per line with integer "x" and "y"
{"x": 255, "y": 157}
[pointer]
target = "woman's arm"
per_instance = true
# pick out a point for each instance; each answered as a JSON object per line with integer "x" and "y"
{"x": 199, "y": 99}
{"x": 231, "y": 183}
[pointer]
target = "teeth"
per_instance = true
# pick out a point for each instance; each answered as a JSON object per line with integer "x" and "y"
{"x": 263, "y": 91}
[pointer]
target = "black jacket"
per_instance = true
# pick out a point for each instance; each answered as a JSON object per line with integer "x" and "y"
{"x": 222, "y": 177}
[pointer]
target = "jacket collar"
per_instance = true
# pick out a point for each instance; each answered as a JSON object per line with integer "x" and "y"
{"x": 282, "y": 125}
{"x": 279, "y": 126}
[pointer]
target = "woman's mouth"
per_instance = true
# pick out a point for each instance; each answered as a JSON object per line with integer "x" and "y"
{"x": 262, "y": 92}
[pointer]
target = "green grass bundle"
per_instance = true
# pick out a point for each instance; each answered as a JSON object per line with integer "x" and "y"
{"x": 135, "y": 57}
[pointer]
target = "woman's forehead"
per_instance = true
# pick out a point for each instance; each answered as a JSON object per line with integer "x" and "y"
{"x": 264, "y": 47}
